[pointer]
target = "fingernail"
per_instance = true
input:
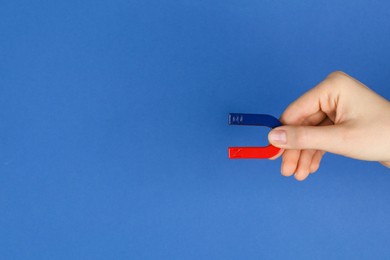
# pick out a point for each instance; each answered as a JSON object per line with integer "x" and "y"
{"x": 278, "y": 136}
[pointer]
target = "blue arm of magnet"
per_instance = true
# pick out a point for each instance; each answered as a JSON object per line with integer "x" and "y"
{"x": 254, "y": 119}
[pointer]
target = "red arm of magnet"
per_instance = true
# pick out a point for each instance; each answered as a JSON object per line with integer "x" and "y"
{"x": 253, "y": 152}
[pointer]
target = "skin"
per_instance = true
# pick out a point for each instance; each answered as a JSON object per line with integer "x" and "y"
{"x": 341, "y": 116}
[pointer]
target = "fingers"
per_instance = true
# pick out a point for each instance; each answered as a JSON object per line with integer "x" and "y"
{"x": 304, "y": 107}
{"x": 329, "y": 138}
{"x": 318, "y": 118}
{"x": 315, "y": 162}
{"x": 290, "y": 162}
{"x": 312, "y": 106}
{"x": 300, "y": 163}
{"x": 305, "y": 160}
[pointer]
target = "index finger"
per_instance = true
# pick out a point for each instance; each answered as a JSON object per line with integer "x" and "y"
{"x": 311, "y": 108}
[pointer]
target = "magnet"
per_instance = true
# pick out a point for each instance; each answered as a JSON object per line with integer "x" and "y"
{"x": 253, "y": 120}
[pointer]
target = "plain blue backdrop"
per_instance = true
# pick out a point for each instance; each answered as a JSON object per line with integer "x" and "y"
{"x": 114, "y": 135}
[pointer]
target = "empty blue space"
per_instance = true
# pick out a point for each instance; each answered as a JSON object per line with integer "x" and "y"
{"x": 114, "y": 134}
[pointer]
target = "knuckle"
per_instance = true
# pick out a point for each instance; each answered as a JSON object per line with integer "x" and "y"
{"x": 337, "y": 79}
{"x": 337, "y": 74}
{"x": 334, "y": 82}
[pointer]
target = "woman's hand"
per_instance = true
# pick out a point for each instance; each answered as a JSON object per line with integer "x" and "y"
{"x": 340, "y": 115}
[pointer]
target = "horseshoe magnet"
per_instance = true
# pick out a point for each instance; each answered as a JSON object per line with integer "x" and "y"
{"x": 253, "y": 120}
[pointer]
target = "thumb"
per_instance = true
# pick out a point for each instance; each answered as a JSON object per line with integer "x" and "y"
{"x": 326, "y": 138}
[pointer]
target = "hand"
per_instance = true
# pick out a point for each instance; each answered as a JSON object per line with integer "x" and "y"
{"x": 340, "y": 115}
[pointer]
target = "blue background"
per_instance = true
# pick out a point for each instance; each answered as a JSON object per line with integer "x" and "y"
{"x": 114, "y": 135}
